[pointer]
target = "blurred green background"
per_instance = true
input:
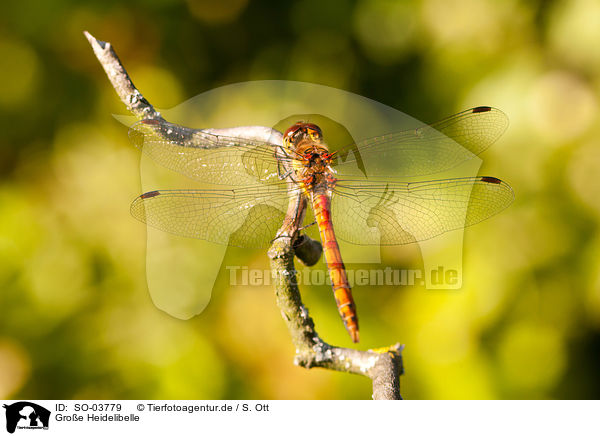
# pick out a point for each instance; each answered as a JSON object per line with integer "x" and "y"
{"x": 76, "y": 319}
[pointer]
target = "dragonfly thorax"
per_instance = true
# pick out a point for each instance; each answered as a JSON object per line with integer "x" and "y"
{"x": 314, "y": 170}
{"x": 311, "y": 156}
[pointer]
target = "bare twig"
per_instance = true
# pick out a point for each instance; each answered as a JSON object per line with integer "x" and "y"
{"x": 128, "y": 93}
{"x": 383, "y": 366}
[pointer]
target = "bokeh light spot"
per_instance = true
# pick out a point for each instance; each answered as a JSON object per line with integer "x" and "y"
{"x": 386, "y": 29}
{"x": 573, "y": 32}
{"x": 561, "y": 106}
{"x": 14, "y": 367}
{"x": 460, "y": 21}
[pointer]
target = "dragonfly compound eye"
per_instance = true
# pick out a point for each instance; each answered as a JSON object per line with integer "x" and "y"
{"x": 293, "y": 134}
{"x": 314, "y": 132}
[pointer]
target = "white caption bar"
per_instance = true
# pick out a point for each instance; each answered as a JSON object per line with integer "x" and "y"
{"x": 23, "y": 417}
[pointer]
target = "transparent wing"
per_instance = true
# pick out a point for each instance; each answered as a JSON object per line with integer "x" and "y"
{"x": 245, "y": 217}
{"x": 209, "y": 157}
{"x": 392, "y": 213}
{"x": 426, "y": 150}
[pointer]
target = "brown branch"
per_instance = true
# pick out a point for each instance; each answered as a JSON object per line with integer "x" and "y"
{"x": 383, "y": 366}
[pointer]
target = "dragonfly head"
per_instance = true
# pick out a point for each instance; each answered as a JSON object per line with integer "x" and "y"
{"x": 302, "y": 132}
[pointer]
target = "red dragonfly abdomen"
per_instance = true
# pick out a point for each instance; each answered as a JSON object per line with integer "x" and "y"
{"x": 337, "y": 272}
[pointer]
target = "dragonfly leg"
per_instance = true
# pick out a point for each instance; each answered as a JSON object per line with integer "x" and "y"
{"x": 307, "y": 226}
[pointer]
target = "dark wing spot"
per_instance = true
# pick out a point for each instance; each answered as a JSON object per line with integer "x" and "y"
{"x": 151, "y": 122}
{"x": 478, "y": 109}
{"x": 149, "y": 194}
{"x": 489, "y": 179}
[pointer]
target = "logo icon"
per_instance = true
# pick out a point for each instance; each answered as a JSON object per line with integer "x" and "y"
{"x": 26, "y": 415}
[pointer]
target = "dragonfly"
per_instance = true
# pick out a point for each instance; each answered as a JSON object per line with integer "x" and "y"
{"x": 363, "y": 193}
